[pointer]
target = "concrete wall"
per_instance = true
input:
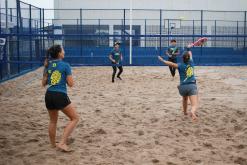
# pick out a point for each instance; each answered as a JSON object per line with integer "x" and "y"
{"x": 114, "y": 17}
{"x": 219, "y": 5}
{"x": 155, "y": 4}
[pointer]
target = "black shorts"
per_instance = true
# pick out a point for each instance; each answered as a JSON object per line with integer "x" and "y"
{"x": 56, "y": 100}
{"x": 174, "y": 60}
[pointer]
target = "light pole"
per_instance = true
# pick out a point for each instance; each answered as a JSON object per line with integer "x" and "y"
{"x": 130, "y": 53}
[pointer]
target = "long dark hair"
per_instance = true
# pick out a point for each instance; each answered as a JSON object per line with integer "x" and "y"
{"x": 53, "y": 51}
{"x": 186, "y": 57}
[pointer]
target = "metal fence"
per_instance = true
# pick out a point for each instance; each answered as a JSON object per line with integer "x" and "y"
{"x": 21, "y": 29}
{"x": 88, "y": 35}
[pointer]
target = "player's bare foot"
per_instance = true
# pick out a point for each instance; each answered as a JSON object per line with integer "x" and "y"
{"x": 185, "y": 113}
{"x": 54, "y": 145}
{"x": 193, "y": 116}
{"x": 63, "y": 147}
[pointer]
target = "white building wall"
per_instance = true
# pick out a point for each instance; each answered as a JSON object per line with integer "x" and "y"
{"x": 155, "y": 4}
{"x": 107, "y": 16}
{"x": 219, "y": 5}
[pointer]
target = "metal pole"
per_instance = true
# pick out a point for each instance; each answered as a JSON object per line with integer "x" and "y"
{"x": 193, "y": 30}
{"x": 160, "y": 30}
{"x": 81, "y": 31}
{"x": 77, "y": 26}
{"x": 7, "y": 38}
{"x": 30, "y": 32}
{"x": 18, "y": 38}
{"x": 245, "y": 32}
{"x": 1, "y": 74}
{"x": 201, "y": 23}
{"x": 201, "y": 30}
{"x": 19, "y": 7}
{"x": 0, "y": 19}
{"x": 145, "y": 33}
{"x": 124, "y": 33}
{"x": 40, "y": 38}
{"x": 11, "y": 15}
{"x": 168, "y": 21}
{"x": 237, "y": 34}
{"x": 130, "y": 55}
{"x": 43, "y": 31}
{"x": 215, "y": 33}
{"x": 99, "y": 33}
{"x": 183, "y": 31}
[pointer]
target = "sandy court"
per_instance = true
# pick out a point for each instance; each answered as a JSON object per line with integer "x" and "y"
{"x": 137, "y": 121}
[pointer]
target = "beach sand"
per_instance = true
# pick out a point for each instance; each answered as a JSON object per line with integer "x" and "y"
{"x": 136, "y": 121}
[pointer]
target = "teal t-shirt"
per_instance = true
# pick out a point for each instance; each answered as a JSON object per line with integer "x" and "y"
{"x": 171, "y": 50}
{"x": 186, "y": 72}
{"x": 57, "y": 73}
{"x": 116, "y": 55}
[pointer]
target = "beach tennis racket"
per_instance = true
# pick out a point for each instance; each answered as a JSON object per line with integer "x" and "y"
{"x": 199, "y": 42}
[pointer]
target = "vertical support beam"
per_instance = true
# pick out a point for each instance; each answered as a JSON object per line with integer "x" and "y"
{"x": 99, "y": 33}
{"x": 77, "y": 25}
{"x": 11, "y": 15}
{"x": 18, "y": 6}
{"x": 18, "y": 37}
{"x": 237, "y": 35}
{"x": 201, "y": 23}
{"x": 1, "y": 76}
{"x": 7, "y": 39}
{"x": 0, "y": 18}
{"x": 124, "y": 22}
{"x": 43, "y": 30}
{"x": 81, "y": 31}
{"x": 245, "y": 32}
{"x": 201, "y": 32}
{"x": 193, "y": 30}
{"x": 40, "y": 37}
{"x": 160, "y": 32}
{"x": 145, "y": 33}
{"x": 130, "y": 47}
{"x": 168, "y": 32}
{"x": 30, "y": 34}
{"x": 215, "y": 38}
{"x": 215, "y": 33}
{"x": 53, "y": 31}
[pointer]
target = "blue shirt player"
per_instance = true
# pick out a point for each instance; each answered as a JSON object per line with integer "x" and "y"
{"x": 172, "y": 52}
{"x": 116, "y": 58}
{"x": 57, "y": 75}
{"x": 187, "y": 87}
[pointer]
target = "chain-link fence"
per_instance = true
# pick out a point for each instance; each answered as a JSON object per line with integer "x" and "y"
{"x": 21, "y": 28}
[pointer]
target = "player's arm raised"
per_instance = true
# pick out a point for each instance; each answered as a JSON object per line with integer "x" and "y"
{"x": 174, "y": 65}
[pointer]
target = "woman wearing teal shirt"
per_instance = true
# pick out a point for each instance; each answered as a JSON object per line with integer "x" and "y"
{"x": 187, "y": 87}
{"x": 57, "y": 76}
{"x": 172, "y": 52}
{"x": 116, "y": 58}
